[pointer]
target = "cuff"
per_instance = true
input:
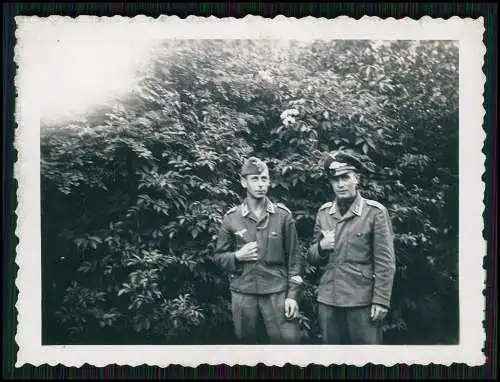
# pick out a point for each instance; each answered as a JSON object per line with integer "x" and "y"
{"x": 382, "y": 302}
{"x": 293, "y": 294}
{"x": 317, "y": 254}
{"x": 321, "y": 253}
{"x": 294, "y": 288}
{"x": 232, "y": 263}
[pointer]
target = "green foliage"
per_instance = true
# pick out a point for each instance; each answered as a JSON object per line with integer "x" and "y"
{"x": 133, "y": 195}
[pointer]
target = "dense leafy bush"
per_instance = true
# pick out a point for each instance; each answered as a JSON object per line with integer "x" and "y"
{"x": 132, "y": 195}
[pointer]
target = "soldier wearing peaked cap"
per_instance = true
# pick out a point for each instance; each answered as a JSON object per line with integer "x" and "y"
{"x": 353, "y": 241}
{"x": 258, "y": 246}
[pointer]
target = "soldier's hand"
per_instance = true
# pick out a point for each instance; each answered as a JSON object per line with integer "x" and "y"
{"x": 378, "y": 312}
{"x": 249, "y": 252}
{"x": 328, "y": 241}
{"x": 291, "y": 309}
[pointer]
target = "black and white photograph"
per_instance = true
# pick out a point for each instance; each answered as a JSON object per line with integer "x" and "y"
{"x": 205, "y": 188}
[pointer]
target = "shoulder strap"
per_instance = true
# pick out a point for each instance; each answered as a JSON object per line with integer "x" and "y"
{"x": 375, "y": 204}
{"x": 283, "y": 207}
{"x": 326, "y": 205}
{"x": 232, "y": 210}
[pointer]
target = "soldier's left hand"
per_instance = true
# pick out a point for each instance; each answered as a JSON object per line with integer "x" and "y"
{"x": 378, "y": 312}
{"x": 291, "y": 309}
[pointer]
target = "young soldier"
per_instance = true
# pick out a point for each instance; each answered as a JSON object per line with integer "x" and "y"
{"x": 353, "y": 236}
{"x": 258, "y": 245}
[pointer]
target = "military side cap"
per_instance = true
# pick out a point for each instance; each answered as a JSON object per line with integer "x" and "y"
{"x": 253, "y": 166}
{"x": 340, "y": 162}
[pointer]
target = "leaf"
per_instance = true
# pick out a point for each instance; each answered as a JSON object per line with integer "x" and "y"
{"x": 96, "y": 239}
{"x": 370, "y": 143}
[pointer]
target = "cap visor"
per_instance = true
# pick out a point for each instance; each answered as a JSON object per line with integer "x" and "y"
{"x": 334, "y": 174}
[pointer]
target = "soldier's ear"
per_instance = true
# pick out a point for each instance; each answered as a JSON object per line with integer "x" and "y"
{"x": 243, "y": 181}
{"x": 357, "y": 177}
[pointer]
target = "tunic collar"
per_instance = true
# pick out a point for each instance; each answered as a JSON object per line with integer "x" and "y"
{"x": 356, "y": 206}
{"x": 269, "y": 207}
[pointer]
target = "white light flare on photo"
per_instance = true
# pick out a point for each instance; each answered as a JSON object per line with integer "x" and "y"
{"x": 78, "y": 67}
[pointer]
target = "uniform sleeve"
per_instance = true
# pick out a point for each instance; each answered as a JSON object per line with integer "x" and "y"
{"x": 295, "y": 258}
{"x": 384, "y": 259}
{"x": 224, "y": 255}
{"x": 317, "y": 256}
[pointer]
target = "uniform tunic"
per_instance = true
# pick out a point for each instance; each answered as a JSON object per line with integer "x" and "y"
{"x": 360, "y": 270}
{"x": 279, "y": 256}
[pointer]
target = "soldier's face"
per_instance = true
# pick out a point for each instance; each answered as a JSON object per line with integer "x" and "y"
{"x": 345, "y": 185}
{"x": 256, "y": 184}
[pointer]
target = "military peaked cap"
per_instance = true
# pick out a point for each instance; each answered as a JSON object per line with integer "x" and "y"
{"x": 340, "y": 162}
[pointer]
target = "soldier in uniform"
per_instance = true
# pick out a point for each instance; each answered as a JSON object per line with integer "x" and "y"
{"x": 258, "y": 246}
{"x": 353, "y": 241}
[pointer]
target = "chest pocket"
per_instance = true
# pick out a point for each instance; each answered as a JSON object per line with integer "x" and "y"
{"x": 275, "y": 248}
{"x": 359, "y": 250}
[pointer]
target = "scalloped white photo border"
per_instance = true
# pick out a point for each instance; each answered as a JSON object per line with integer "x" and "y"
{"x": 32, "y": 30}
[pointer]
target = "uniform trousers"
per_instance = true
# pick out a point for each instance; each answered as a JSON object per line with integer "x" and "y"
{"x": 345, "y": 326}
{"x": 261, "y": 319}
